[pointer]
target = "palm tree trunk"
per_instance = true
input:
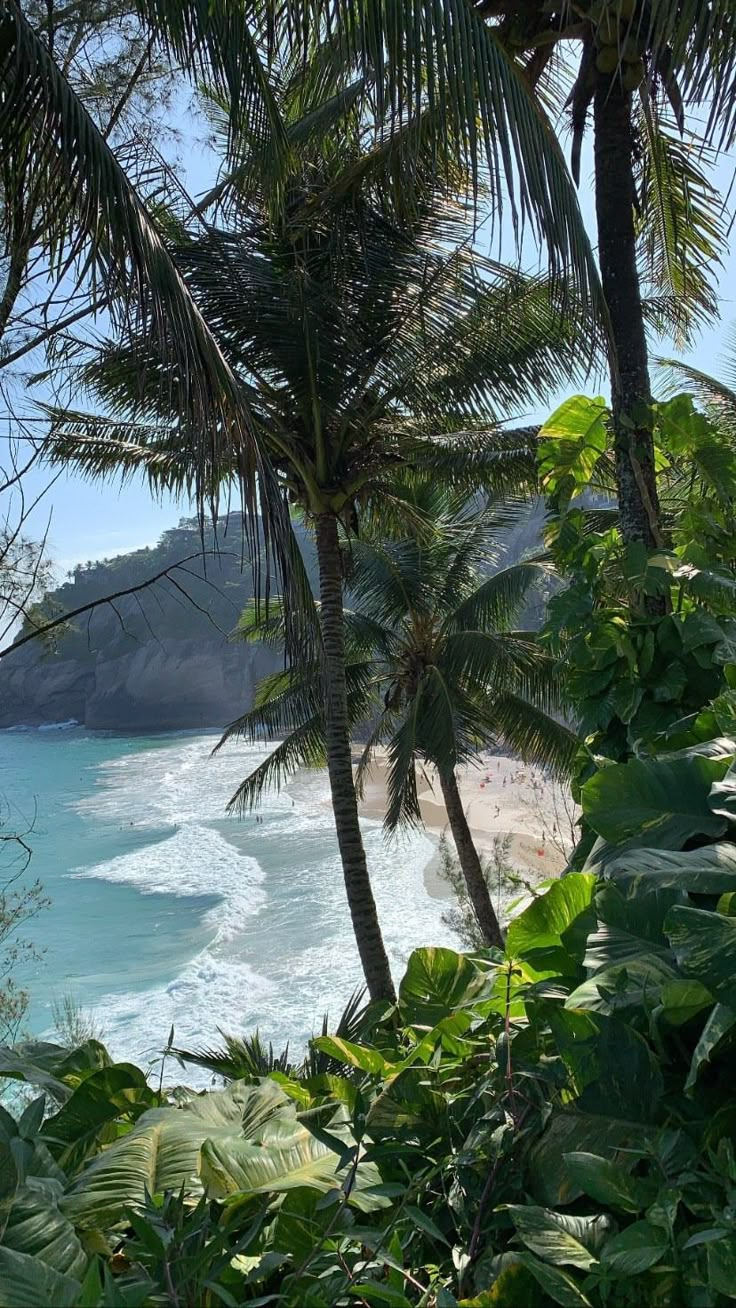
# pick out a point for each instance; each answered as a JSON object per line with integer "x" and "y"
{"x": 469, "y": 861}
{"x": 340, "y": 767}
{"x": 615, "y": 196}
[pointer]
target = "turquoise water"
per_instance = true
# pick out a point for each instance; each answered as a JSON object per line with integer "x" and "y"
{"x": 164, "y": 910}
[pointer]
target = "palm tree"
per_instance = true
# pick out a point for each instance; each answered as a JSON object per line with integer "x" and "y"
{"x": 491, "y": 79}
{"x": 360, "y": 346}
{"x": 434, "y": 666}
{"x": 485, "y": 81}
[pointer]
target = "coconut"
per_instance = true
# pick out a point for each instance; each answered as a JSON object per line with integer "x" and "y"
{"x": 633, "y": 76}
{"x": 607, "y": 31}
{"x": 632, "y": 50}
{"x": 606, "y": 60}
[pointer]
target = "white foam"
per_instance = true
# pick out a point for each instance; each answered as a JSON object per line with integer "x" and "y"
{"x": 282, "y": 949}
{"x": 194, "y": 861}
{"x": 210, "y": 992}
{"x": 58, "y": 726}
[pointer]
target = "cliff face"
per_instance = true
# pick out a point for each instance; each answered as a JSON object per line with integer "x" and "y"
{"x": 159, "y": 660}
{"x": 160, "y": 687}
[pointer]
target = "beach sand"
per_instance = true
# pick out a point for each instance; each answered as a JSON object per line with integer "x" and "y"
{"x": 502, "y": 798}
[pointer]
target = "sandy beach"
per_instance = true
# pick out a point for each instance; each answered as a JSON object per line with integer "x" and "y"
{"x": 503, "y": 798}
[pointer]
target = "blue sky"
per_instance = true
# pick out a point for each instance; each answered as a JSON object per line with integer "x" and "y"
{"x": 93, "y": 520}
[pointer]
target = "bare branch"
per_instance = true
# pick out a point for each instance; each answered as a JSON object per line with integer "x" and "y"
{"x": 46, "y": 627}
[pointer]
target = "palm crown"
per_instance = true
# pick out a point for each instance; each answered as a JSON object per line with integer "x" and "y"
{"x": 359, "y": 346}
{"x": 435, "y": 667}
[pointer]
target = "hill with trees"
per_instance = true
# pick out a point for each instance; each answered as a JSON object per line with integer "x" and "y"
{"x": 158, "y": 658}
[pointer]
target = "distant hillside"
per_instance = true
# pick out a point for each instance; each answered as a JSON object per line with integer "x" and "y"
{"x": 161, "y": 660}
{"x": 157, "y": 660}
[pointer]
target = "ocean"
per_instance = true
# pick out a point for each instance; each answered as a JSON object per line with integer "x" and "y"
{"x": 164, "y": 910}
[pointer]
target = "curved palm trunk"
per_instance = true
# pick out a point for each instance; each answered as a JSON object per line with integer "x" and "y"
{"x": 469, "y": 861}
{"x": 339, "y": 765}
{"x": 615, "y": 196}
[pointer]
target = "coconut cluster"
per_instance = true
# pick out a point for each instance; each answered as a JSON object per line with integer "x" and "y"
{"x": 617, "y": 45}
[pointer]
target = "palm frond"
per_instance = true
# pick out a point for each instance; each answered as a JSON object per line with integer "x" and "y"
{"x": 284, "y": 700}
{"x": 241, "y": 1058}
{"x": 92, "y": 216}
{"x": 218, "y": 43}
{"x": 534, "y": 735}
{"x": 350, "y": 1026}
{"x": 289, "y": 704}
{"x": 402, "y": 802}
{"x": 682, "y": 230}
{"x": 488, "y": 662}
{"x": 496, "y": 601}
{"x": 698, "y": 43}
{"x": 375, "y": 736}
{"x": 716, "y": 397}
{"x": 304, "y": 748}
{"x": 262, "y": 624}
{"x": 391, "y": 578}
{"x": 445, "y": 59}
{"x": 496, "y": 460}
{"x": 262, "y": 168}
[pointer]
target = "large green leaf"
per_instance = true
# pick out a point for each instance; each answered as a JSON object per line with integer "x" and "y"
{"x": 285, "y": 1157}
{"x": 559, "y": 1238}
{"x": 27, "y": 1282}
{"x": 622, "y": 985}
{"x": 707, "y": 871}
{"x": 163, "y": 1151}
{"x": 542, "y": 924}
{"x": 607, "y": 1182}
{"x": 661, "y": 802}
{"x": 570, "y": 1131}
{"x": 436, "y": 982}
{"x": 704, "y": 945}
{"x": 409, "y": 1106}
{"x": 635, "y": 1249}
{"x": 628, "y": 928}
{"x": 556, "y": 1283}
{"x": 572, "y": 441}
{"x": 721, "y": 1023}
{"x": 52, "y": 1067}
{"x": 723, "y": 795}
{"x": 683, "y": 999}
{"x": 363, "y": 1057}
{"x": 629, "y": 1081}
{"x": 722, "y": 1265}
{"x": 36, "y": 1227}
{"x": 103, "y": 1096}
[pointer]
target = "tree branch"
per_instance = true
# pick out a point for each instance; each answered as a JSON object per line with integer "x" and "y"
{"x": 105, "y": 599}
{"x": 54, "y": 330}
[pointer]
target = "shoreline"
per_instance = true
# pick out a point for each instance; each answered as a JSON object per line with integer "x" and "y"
{"x": 504, "y": 800}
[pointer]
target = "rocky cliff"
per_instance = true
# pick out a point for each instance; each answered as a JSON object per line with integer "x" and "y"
{"x": 157, "y": 660}
{"x": 161, "y": 659}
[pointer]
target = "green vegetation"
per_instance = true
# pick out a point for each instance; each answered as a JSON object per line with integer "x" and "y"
{"x": 367, "y": 349}
{"x": 197, "y": 588}
{"x": 549, "y": 1126}
{"x": 549, "y": 1118}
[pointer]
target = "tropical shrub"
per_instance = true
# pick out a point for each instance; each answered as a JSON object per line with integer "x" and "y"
{"x": 643, "y": 637}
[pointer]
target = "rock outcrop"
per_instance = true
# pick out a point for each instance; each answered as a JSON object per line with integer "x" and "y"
{"x": 157, "y": 661}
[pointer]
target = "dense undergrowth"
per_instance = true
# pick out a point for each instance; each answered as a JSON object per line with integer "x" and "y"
{"x": 552, "y": 1126}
